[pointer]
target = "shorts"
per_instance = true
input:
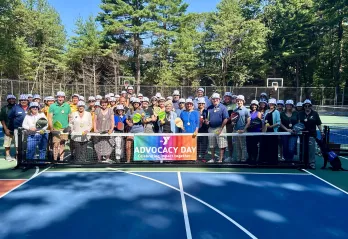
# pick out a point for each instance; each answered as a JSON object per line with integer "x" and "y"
{"x": 220, "y": 141}
{"x": 7, "y": 141}
{"x": 15, "y": 133}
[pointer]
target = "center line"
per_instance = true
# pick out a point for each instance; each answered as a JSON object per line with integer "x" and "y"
{"x": 184, "y": 208}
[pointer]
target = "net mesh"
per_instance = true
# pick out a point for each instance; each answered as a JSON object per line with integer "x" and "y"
{"x": 276, "y": 149}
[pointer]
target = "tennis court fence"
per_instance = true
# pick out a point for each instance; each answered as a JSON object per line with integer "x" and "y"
{"x": 280, "y": 149}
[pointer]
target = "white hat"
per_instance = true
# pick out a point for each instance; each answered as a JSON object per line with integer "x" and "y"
{"x": 10, "y": 97}
{"x": 117, "y": 96}
{"x": 82, "y": 98}
{"x": 34, "y": 104}
{"x": 136, "y": 100}
{"x": 234, "y": 96}
{"x": 170, "y": 98}
{"x": 280, "y": 102}
{"x": 228, "y": 94}
{"x": 240, "y": 97}
{"x": 131, "y": 99}
{"x": 75, "y": 95}
{"x": 263, "y": 94}
{"x": 36, "y": 96}
{"x": 112, "y": 99}
{"x": 29, "y": 95}
{"x": 263, "y": 101}
{"x": 201, "y": 100}
{"x": 81, "y": 103}
{"x": 111, "y": 94}
{"x": 158, "y": 95}
{"x": 289, "y": 102}
{"x": 97, "y": 103}
{"x": 145, "y": 99}
{"x": 130, "y": 88}
{"x": 119, "y": 107}
{"x": 107, "y": 96}
{"x": 272, "y": 101}
{"x": 215, "y": 96}
{"x": 254, "y": 102}
{"x": 98, "y": 97}
{"x": 123, "y": 92}
{"x": 23, "y": 97}
{"x": 153, "y": 98}
{"x": 307, "y": 102}
{"x": 200, "y": 89}
{"x": 176, "y": 92}
{"x": 49, "y": 98}
{"x": 161, "y": 99}
{"x": 91, "y": 98}
{"x": 60, "y": 93}
{"x": 140, "y": 95}
{"x": 182, "y": 100}
{"x": 188, "y": 101}
{"x": 299, "y": 104}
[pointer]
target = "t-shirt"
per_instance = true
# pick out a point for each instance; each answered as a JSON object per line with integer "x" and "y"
{"x": 230, "y": 108}
{"x": 5, "y": 110}
{"x": 216, "y": 115}
{"x": 244, "y": 114}
{"x": 288, "y": 122}
{"x": 138, "y": 127}
{"x": 73, "y": 108}
{"x": 16, "y": 117}
{"x": 190, "y": 120}
{"x": 117, "y": 119}
{"x": 60, "y": 113}
{"x": 310, "y": 121}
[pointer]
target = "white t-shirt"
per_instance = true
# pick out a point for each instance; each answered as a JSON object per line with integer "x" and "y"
{"x": 81, "y": 124}
{"x": 30, "y": 121}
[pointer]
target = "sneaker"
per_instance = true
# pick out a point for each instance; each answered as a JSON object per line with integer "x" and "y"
{"x": 107, "y": 161}
{"x": 9, "y": 158}
{"x": 312, "y": 166}
{"x": 211, "y": 161}
{"x": 228, "y": 160}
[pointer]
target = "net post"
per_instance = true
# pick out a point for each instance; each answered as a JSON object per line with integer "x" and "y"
{"x": 20, "y": 148}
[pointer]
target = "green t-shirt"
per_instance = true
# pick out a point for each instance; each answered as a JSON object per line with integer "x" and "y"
{"x": 60, "y": 113}
{"x": 4, "y": 114}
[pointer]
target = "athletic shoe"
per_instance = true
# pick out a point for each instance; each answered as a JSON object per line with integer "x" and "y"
{"x": 211, "y": 161}
{"x": 9, "y": 158}
{"x": 228, "y": 160}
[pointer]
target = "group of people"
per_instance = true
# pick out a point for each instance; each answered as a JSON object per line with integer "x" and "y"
{"x": 202, "y": 114}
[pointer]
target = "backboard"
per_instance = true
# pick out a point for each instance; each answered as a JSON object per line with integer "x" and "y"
{"x": 275, "y": 83}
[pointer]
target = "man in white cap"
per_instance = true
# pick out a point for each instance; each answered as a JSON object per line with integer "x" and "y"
{"x": 130, "y": 91}
{"x": 299, "y": 107}
{"x": 311, "y": 121}
{"x": 241, "y": 126}
{"x": 230, "y": 104}
{"x": 98, "y": 98}
{"x": 181, "y": 107}
{"x": 59, "y": 111}
{"x": 176, "y": 98}
{"x": 150, "y": 117}
{"x": 74, "y": 101}
{"x": 49, "y": 101}
{"x": 17, "y": 114}
{"x": 200, "y": 94}
{"x": 217, "y": 120}
{"x": 11, "y": 102}
{"x": 30, "y": 97}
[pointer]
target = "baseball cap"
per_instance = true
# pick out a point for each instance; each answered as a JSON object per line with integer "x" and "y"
{"x": 91, "y": 98}
{"x": 240, "y": 97}
{"x": 34, "y": 104}
{"x": 200, "y": 89}
{"x": 272, "y": 101}
{"x": 60, "y": 93}
{"x": 215, "y": 96}
{"x": 10, "y": 97}
{"x": 176, "y": 92}
{"x": 119, "y": 107}
{"x": 81, "y": 103}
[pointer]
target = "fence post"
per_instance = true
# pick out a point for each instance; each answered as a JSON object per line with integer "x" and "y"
{"x": 12, "y": 87}
{"x": 301, "y": 95}
{"x": 256, "y": 93}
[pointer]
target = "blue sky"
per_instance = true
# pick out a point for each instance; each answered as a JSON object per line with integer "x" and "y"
{"x": 71, "y": 10}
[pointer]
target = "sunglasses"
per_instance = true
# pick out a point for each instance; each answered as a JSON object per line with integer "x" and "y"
{"x": 201, "y": 103}
{"x": 307, "y": 106}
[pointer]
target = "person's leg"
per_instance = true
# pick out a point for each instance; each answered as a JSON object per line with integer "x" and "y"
{"x": 212, "y": 144}
{"x": 42, "y": 139}
{"x": 222, "y": 144}
{"x": 118, "y": 148}
{"x": 311, "y": 152}
{"x": 292, "y": 147}
{"x": 285, "y": 143}
{"x": 7, "y": 146}
{"x": 129, "y": 148}
{"x": 31, "y": 147}
{"x": 243, "y": 148}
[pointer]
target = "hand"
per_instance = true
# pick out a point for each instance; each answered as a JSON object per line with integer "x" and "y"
{"x": 194, "y": 134}
{"x": 162, "y": 122}
{"x": 206, "y": 122}
{"x": 241, "y": 131}
{"x": 268, "y": 125}
{"x": 32, "y": 129}
{"x": 42, "y": 131}
{"x": 290, "y": 130}
{"x": 8, "y": 132}
{"x": 110, "y": 131}
{"x": 218, "y": 131}
{"x": 130, "y": 124}
{"x": 322, "y": 134}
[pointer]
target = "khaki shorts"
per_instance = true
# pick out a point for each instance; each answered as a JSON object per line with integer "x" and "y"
{"x": 220, "y": 141}
{"x": 7, "y": 141}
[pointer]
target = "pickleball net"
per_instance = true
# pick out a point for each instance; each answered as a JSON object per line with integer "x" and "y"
{"x": 279, "y": 149}
{"x": 337, "y": 138}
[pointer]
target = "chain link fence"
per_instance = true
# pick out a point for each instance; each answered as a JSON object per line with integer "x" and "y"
{"x": 319, "y": 95}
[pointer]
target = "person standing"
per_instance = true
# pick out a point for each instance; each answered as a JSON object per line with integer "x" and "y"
{"x": 120, "y": 122}
{"x": 311, "y": 121}
{"x": 202, "y": 141}
{"x": 104, "y": 122}
{"x": 36, "y": 139}
{"x": 255, "y": 127}
{"x": 230, "y": 104}
{"x": 17, "y": 115}
{"x": 74, "y": 101}
{"x": 168, "y": 124}
{"x": 241, "y": 127}
{"x": 190, "y": 118}
{"x": 176, "y": 98}
{"x": 200, "y": 94}
{"x": 81, "y": 124}
{"x": 288, "y": 119}
{"x": 11, "y": 102}
{"x": 149, "y": 118}
{"x": 59, "y": 112}
{"x": 217, "y": 120}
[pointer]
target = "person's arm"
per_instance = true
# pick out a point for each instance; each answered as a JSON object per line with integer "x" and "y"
{"x": 247, "y": 125}
{"x": 319, "y": 125}
{"x": 95, "y": 123}
{"x": 42, "y": 115}
{"x": 3, "y": 122}
{"x": 112, "y": 123}
{"x": 26, "y": 124}
{"x": 50, "y": 118}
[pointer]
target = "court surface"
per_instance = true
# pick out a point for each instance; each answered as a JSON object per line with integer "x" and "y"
{"x": 110, "y": 203}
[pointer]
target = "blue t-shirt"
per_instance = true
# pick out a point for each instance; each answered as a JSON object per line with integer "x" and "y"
{"x": 216, "y": 115}
{"x": 117, "y": 119}
{"x": 244, "y": 114}
{"x": 190, "y": 120}
{"x": 16, "y": 117}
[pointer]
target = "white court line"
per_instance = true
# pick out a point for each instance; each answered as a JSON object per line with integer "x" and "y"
{"x": 338, "y": 188}
{"x": 184, "y": 208}
{"x": 119, "y": 170}
{"x": 197, "y": 199}
{"x": 36, "y": 174}
{"x": 343, "y": 157}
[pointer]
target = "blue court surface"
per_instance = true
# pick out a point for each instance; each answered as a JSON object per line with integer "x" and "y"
{"x": 174, "y": 205}
{"x": 339, "y": 135}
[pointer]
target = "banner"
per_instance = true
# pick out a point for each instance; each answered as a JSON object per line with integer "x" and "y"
{"x": 176, "y": 147}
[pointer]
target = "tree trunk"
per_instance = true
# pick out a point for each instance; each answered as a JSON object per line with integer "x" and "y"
{"x": 137, "y": 60}
{"x": 297, "y": 80}
{"x": 94, "y": 79}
